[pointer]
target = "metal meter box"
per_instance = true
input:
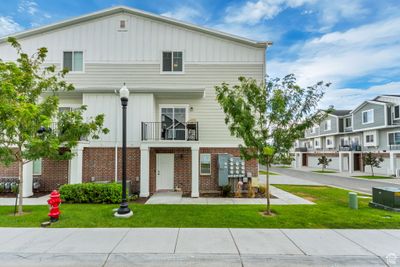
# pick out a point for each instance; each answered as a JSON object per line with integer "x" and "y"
{"x": 386, "y": 198}
{"x": 223, "y": 169}
{"x": 229, "y": 167}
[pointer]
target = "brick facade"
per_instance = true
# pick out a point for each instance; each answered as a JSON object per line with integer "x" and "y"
{"x": 54, "y": 174}
{"x": 10, "y": 171}
{"x": 99, "y": 164}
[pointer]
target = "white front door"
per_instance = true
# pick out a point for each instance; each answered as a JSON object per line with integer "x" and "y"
{"x": 165, "y": 171}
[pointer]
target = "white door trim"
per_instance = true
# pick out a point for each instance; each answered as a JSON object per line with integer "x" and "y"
{"x": 165, "y": 171}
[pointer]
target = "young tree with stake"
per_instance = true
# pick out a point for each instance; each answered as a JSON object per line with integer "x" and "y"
{"x": 324, "y": 162}
{"x": 373, "y": 161}
{"x": 269, "y": 117}
{"x": 31, "y": 126}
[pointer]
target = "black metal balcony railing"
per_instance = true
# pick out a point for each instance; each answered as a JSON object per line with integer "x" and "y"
{"x": 178, "y": 131}
{"x": 300, "y": 149}
{"x": 394, "y": 147}
{"x": 350, "y": 148}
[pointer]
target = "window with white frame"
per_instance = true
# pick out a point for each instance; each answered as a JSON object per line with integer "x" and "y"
{"x": 394, "y": 138}
{"x": 368, "y": 116}
{"x": 328, "y": 125}
{"x": 205, "y": 164}
{"x": 37, "y": 167}
{"x": 329, "y": 142}
{"x": 369, "y": 138}
{"x": 172, "y": 61}
{"x": 344, "y": 141}
{"x": 317, "y": 143}
{"x": 173, "y": 123}
{"x": 397, "y": 112}
{"x": 73, "y": 60}
{"x": 347, "y": 122}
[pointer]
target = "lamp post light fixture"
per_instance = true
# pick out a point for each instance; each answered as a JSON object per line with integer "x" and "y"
{"x": 123, "y": 210}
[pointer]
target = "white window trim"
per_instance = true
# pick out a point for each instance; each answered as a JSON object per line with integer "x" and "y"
{"x": 351, "y": 122}
{"x": 373, "y": 116}
{"x": 366, "y": 139}
{"x": 202, "y": 173}
{"x": 388, "y": 136}
{"x": 394, "y": 112}
{"x": 185, "y": 106}
{"x": 326, "y": 128}
{"x": 33, "y": 169}
{"x": 83, "y": 60}
{"x": 173, "y": 72}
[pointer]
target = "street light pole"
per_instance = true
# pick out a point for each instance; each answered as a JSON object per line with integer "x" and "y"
{"x": 123, "y": 210}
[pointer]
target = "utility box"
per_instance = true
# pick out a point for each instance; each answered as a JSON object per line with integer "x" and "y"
{"x": 387, "y": 198}
{"x": 230, "y": 167}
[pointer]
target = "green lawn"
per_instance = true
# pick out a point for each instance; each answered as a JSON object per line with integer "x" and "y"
{"x": 326, "y": 171}
{"x": 373, "y": 177}
{"x": 270, "y": 173}
{"x": 331, "y": 211}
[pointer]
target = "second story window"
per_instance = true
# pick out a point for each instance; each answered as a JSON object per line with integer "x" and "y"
{"x": 369, "y": 138}
{"x": 394, "y": 138}
{"x": 73, "y": 61}
{"x": 368, "y": 116}
{"x": 397, "y": 112}
{"x": 328, "y": 125}
{"x": 172, "y": 61}
{"x": 347, "y": 122}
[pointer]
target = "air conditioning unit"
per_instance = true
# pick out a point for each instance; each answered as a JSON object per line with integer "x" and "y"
{"x": 397, "y": 173}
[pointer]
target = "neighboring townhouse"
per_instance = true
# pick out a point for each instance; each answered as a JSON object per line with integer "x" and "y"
{"x": 345, "y": 135}
{"x": 176, "y": 128}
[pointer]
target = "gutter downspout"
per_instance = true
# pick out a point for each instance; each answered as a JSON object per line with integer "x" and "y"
{"x": 116, "y": 140}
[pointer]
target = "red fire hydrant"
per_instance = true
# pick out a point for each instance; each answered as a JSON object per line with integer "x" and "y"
{"x": 54, "y": 202}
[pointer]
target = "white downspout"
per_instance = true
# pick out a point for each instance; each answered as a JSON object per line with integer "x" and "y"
{"x": 116, "y": 139}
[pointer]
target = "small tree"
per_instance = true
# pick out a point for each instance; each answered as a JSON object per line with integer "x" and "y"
{"x": 373, "y": 161}
{"x": 324, "y": 162}
{"x": 269, "y": 117}
{"x": 31, "y": 125}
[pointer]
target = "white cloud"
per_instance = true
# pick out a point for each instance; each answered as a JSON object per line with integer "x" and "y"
{"x": 349, "y": 98}
{"x": 369, "y": 50}
{"x": 253, "y": 12}
{"x": 258, "y": 33}
{"x": 184, "y": 13}
{"x": 30, "y": 7}
{"x": 8, "y": 26}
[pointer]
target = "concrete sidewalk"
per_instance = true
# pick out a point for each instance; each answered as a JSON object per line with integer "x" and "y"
{"x": 198, "y": 247}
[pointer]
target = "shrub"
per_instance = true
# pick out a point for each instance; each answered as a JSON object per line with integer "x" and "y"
{"x": 91, "y": 193}
{"x": 262, "y": 190}
{"x": 226, "y": 190}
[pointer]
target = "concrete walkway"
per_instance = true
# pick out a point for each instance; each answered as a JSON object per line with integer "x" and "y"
{"x": 174, "y": 198}
{"x": 198, "y": 247}
{"x": 5, "y": 201}
{"x": 356, "y": 184}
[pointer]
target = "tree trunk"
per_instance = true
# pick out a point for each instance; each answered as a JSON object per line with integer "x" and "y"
{"x": 267, "y": 191}
{"x": 372, "y": 170}
{"x": 20, "y": 186}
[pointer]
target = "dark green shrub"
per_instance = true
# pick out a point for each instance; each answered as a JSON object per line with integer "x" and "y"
{"x": 91, "y": 193}
{"x": 226, "y": 190}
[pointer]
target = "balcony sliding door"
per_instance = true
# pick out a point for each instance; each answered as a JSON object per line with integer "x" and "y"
{"x": 173, "y": 123}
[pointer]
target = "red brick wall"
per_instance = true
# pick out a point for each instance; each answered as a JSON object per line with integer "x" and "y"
{"x": 10, "y": 171}
{"x": 54, "y": 174}
{"x": 209, "y": 183}
{"x": 100, "y": 164}
{"x": 182, "y": 168}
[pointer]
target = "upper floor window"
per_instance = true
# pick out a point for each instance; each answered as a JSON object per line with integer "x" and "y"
{"x": 394, "y": 138}
{"x": 172, "y": 61}
{"x": 347, "y": 122}
{"x": 73, "y": 60}
{"x": 368, "y": 116}
{"x": 328, "y": 125}
{"x": 397, "y": 112}
{"x": 369, "y": 138}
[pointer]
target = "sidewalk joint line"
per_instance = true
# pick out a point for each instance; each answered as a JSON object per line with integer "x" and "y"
{"x": 116, "y": 245}
{"x": 176, "y": 241}
{"x": 237, "y": 248}
{"x": 294, "y": 243}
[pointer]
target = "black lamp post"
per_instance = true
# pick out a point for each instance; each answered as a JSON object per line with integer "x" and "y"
{"x": 123, "y": 210}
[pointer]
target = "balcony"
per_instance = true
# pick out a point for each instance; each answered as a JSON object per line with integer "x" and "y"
{"x": 164, "y": 131}
{"x": 348, "y": 129}
{"x": 350, "y": 148}
{"x": 394, "y": 147}
{"x": 300, "y": 149}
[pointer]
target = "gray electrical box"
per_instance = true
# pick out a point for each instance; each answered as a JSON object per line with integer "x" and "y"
{"x": 229, "y": 167}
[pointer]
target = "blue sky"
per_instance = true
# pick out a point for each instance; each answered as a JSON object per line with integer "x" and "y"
{"x": 355, "y": 44}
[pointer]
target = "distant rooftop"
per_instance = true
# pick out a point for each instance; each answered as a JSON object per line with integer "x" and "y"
{"x": 340, "y": 112}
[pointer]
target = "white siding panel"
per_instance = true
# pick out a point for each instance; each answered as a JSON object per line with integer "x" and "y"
{"x": 142, "y": 42}
{"x": 333, "y": 165}
{"x": 140, "y": 108}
